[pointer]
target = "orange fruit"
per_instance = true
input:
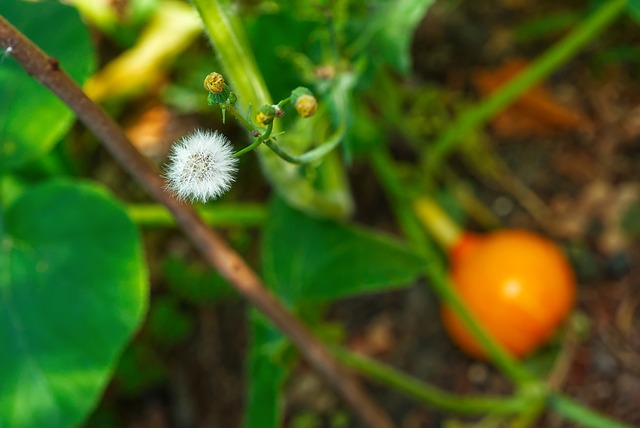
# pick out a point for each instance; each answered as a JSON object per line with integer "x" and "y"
{"x": 518, "y": 285}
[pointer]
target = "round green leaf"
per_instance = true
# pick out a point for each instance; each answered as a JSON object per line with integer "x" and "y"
{"x": 73, "y": 290}
{"x": 32, "y": 119}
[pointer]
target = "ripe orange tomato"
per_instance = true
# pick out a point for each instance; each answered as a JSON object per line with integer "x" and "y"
{"x": 518, "y": 285}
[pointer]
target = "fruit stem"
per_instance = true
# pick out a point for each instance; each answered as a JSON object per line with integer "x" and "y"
{"x": 497, "y": 354}
{"x": 444, "y": 230}
{"x": 436, "y": 272}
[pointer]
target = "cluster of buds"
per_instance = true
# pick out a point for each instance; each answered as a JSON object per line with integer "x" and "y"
{"x": 202, "y": 165}
{"x": 302, "y": 99}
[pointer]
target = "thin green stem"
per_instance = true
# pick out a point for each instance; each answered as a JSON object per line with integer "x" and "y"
{"x": 498, "y": 355}
{"x": 409, "y": 224}
{"x": 581, "y": 415}
{"x": 428, "y": 394}
{"x": 282, "y": 152}
{"x": 251, "y": 128}
{"x": 313, "y": 154}
{"x": 266, "y": 134}
{"x": 437, "y": 275}
{"x": 256, "y": 143}
{"x": 560, "y": 53}
{"x": 220, "y": 214}
{"x": 443, "y": 229}
{"x": 236, "y": 114}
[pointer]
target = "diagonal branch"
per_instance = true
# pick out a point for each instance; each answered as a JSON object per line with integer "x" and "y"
{"x": 213, "y": 248}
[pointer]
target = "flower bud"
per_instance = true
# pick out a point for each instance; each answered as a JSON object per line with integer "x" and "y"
{"x": 219, "y": 91}
{"x": 266, "y": 114}
{"x": 214, "y": 82}
{"x": 304, "y": 102}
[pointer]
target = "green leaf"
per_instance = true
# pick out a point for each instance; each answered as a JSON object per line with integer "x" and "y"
{"x": 73, "y": 290}
{"x": 268, "y": 373}
{"x": 277, "y": 53}
{"x": 32, "y": 119}
{"x": 307, "y": 259}
{"x": 393, "y": 28}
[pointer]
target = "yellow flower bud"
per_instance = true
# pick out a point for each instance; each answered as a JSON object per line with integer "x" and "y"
{"x": 306, "y": 105}
{"x": 214, "y": 83}
{"x": 262, "y": 119}
{"x": 266, "y": 114}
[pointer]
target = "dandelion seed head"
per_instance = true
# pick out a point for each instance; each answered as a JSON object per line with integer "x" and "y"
{"x": 201, "y": 166}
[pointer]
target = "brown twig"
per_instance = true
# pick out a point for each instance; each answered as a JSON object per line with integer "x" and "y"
{"x": 213, "y": 248}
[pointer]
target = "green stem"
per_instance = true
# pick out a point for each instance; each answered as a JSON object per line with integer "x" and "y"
{"x": 560, "y": 53}
{"x": 411, "y": 228}
{"x": 233, "y": 48}
{"x": 530, "y": 415}
{"x": 251, "y": 128}
{"x": 436, "y": 272}
{"x": 282, "y": 152}
{"x": 236, "y": 114}
{"x": 498, "y": 355}
{"x": 313, "y": 154}
{"x": 442, "y": 227}
{"x": 429, "y": 394}
{"x": 220, "y": 214}
{"x": 256, "y": 143}
{"x": 581, "y": 415}
{"x": 266, "y": 134}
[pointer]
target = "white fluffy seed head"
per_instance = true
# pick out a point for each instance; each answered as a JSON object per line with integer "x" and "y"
{"x": 201, "y": 166}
